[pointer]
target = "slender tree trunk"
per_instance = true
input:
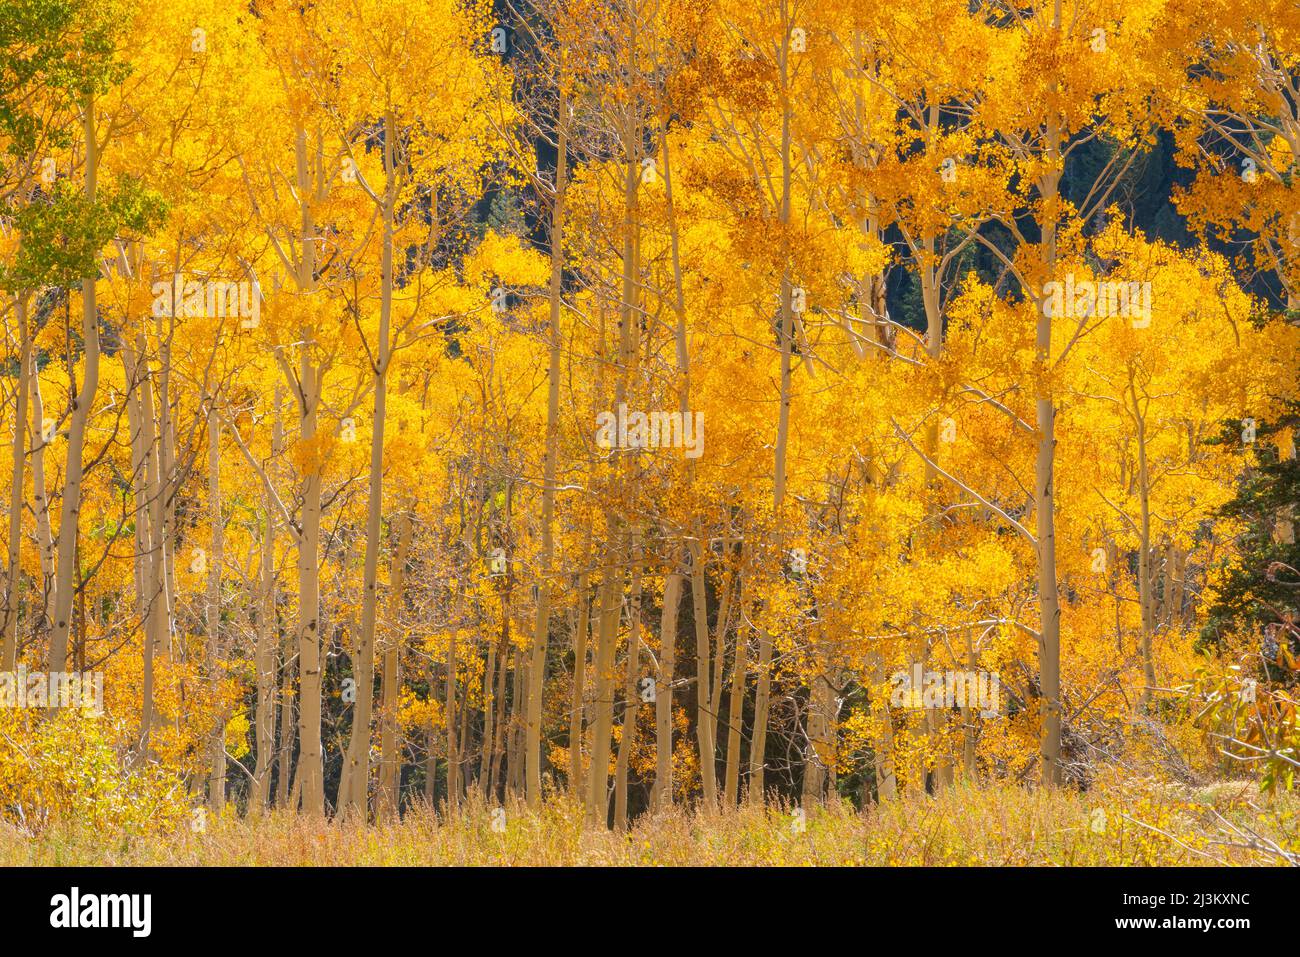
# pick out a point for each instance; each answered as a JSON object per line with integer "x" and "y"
{"x": 40, "y": 494}
{"x": 537, "y": 666}
{"x": 631, "y": 698}
{"x": 390, "y": 765}
{"x": 487, "y": 753}
{"x": 264, "y": 661}
{"x": 611, "y": 591}
{"x": 217, "y": 745}
{"x": 13, "y": 567}
{"x": 762, "y": 693}
{"x": 462, "y": 748}
{"x": 610, "y": 602}
{"x": 577, "y": 701}
{"x": 704, "y": 707}
{"x": 288, "y": 653}
{"x": 719, "y": 651}
{"x": 157, "y": 613}
{"x": 356, "y": 777}
{"x": 736, "y": 713}
{"x": 139, "y": 469}
{"x": 663, "y": 787}
{"x": 1049, "y": 647}
{"x": 494, "y": 706}
{"x": 431, "y": 749}
{"x": 1146, "y": 597}
{"x": 311, "y": 771}
{"x": 288, "y": 723}
{"x": 499, "y": 721}
{"x": 450, "y": 713}
{"x": 66, "y": 576}
{"x": 310, "y": 778}
{"x": 934, "y": 719}
{"x": 967, "y": 712}
{"x": 166, "y": 487}
{"x": 663, "y": 793}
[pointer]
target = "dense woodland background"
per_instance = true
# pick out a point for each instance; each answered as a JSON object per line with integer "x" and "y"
{"x": 311, "y": 311}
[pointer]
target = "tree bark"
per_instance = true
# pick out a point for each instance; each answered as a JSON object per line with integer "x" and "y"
{"x": 1049, "y": 647}
{"x": 390, "y": 765}
{"x": 736, "y": 712}
{"x": 762, "y": 693}
{"x": 264, "y": 661}
{"x": 13, "y": 567}
{"x": 663, "y": 787}
{"x": 610, "y": 602}
{"x": 704, "y": 705}
{"x": 1146, "y": 593}
{"x": 541, "y": 628}
{"x": 577, "y": 700}
{"x": 631, "y": 697}
{"x": 66, "y": 578}
{"x": 356, "y": 777}
{"x": 311, "y": 770}
{"x": 217, "y": 742}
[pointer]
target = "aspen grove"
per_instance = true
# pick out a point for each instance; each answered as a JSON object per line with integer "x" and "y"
{"x": 635, "y": 405}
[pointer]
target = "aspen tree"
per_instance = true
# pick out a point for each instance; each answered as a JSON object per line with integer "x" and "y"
{"x": 9, "y": 633}
{"x": 215, "y": 558}
{"x": 758, "y": 746}
{"x": 537, "y": 665}
{"x": 69, "y": 521}
{"x": 264, "y": 658}
{"x": 578, "y": 696}
{"x": 631, "y": 700}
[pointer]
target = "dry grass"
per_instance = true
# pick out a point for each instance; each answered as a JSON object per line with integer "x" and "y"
{"x": 1138, "y": 824}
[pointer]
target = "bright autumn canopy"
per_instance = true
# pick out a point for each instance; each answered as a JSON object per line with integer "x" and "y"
{"x": 642, "y": 403}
